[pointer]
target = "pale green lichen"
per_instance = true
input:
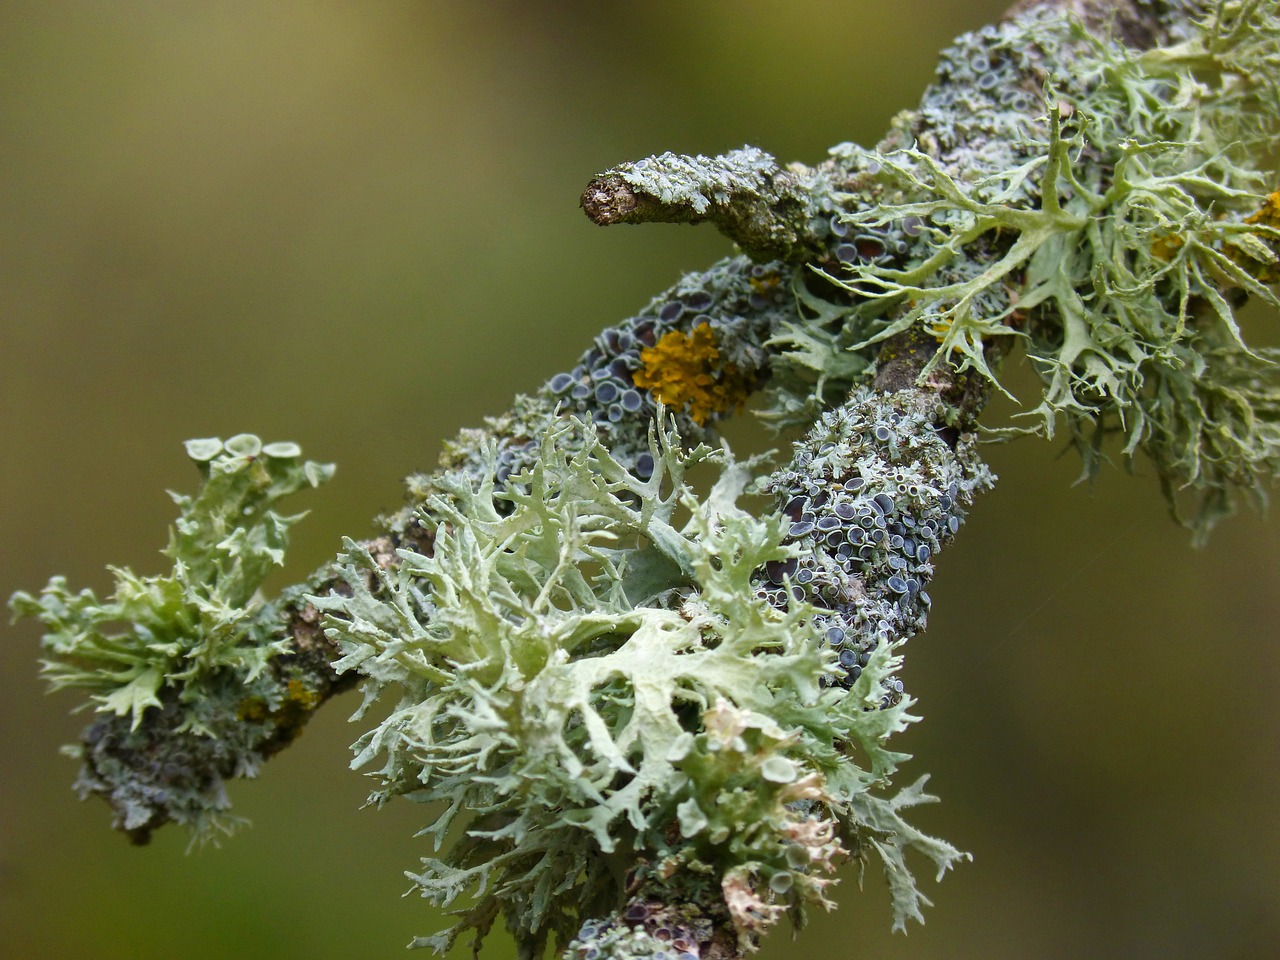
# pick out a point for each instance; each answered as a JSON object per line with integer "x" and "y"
{"x": 579, "y": 675}
{"x": 1117, "y": 235}
{"x": 188, "y": 669}
{"x": 1112, "y": 247}
{"x": 701, "y": 182}
{"x": 771, "y": 212}
{"x": 201, "y": 619}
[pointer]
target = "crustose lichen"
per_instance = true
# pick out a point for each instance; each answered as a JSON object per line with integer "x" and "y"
{"x": 687, "y": 371}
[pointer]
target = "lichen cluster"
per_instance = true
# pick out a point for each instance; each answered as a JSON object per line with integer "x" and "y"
{"x": 642, "y": 929}
{"x": 701, "y": 182}
{"x": 870, "y": 497}
{"x": 188, "y": 658}
{"x": 630, "y": 698}
{"x": 741, "y": 305}
{"x": 767, "y": 209}
{"x": 1116, "y": 235}
{"x": 1099, "y": 204}
{"x": 594, "y": 686}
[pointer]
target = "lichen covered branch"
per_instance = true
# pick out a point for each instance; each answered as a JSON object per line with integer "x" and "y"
{"x": 663, "y": 713}
{"x": 195, "y": 679}
{"x": 770, "y": 211}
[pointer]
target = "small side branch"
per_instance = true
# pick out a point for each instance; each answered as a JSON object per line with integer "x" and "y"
{"x": 772, "y": 212}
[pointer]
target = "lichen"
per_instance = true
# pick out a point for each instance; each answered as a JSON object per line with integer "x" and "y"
{"x": 1116, "y": 235}
{"x": 685, "y": 372}
{"x": 663, "y": 930}
{"x": 768, "y": 210}
{"x": 871, "y": 496}
{"x": 186, "y": 658}
{"x": 198, "y": 620}
{"x": 579, "y": 675}
{"x": 643, "y": 714}
{"x": 701, "y": 182}
{"x": 742, "y": 303}
{"x": 1257, "y": 264}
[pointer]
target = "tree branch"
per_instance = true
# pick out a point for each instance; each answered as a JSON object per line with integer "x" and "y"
{"x": 771, "y": 212}
{"x": 662, "y": 723}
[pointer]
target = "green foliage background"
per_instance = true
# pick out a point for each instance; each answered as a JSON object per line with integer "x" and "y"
{"x": 354, "y": 226}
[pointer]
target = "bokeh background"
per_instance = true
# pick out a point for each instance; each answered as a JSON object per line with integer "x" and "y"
{"x": 354, "y": 225}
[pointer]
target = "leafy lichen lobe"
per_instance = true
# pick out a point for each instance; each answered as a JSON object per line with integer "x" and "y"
{"x": 194, "y": 684}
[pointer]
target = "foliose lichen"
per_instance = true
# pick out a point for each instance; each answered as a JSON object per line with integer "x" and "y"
{"x": 593, "y": 686}
{"x": 186, "y": 661}
{"x": 661, "y": 930}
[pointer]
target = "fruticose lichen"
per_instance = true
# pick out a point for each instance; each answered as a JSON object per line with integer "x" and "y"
{"x": 191, "y": 659}
{"x": 1115, "y": 234}
{"x": 588, "y": 685}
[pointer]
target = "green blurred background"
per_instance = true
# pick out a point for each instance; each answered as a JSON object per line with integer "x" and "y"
{"x": 354, "y": 225}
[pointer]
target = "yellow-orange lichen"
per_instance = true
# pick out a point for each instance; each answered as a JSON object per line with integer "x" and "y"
{"x": 766, "y": 282}
{"x": 299, "y": 700}
{"x": 1166, "y": 248}
{"x": 1269, "y": 215}
{"x": 302, "y": 695}
{"x": 685, "y": 370}
{"x": 252, "y": 709}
